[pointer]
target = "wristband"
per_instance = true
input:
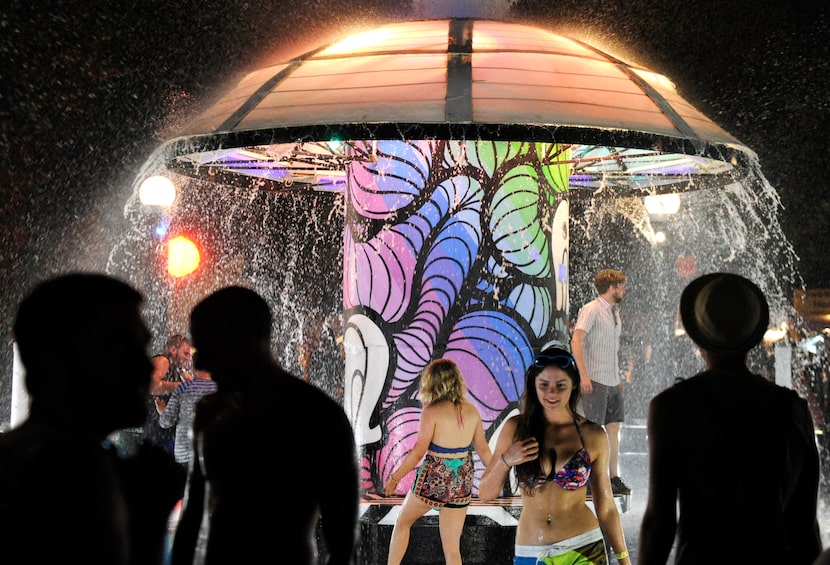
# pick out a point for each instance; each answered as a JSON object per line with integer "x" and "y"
{"x": 503, "y": 460}
{"x": 621, "y": 555}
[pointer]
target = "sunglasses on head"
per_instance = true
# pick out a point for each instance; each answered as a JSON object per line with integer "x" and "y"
{"x": 561, "y": 361}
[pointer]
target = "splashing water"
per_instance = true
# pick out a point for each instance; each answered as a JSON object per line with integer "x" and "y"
{"x": 731, "y": 228}
{"x": 289, "y": 247}
{"x": 282, "y": 246}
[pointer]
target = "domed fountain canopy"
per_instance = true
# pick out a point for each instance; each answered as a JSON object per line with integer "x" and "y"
{"x": 458, "y": 78}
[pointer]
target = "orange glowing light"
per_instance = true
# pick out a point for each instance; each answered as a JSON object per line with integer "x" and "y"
{"x": 182, "y": 256}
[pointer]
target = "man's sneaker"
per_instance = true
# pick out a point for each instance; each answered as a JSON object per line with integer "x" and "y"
{"x": 619, "y": 487}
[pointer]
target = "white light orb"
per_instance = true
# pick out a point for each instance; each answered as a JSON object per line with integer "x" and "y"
{"x": 157, "y": 191}
{"x": 662, "y": 203}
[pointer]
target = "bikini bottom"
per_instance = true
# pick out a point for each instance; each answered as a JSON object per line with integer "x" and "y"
{"x": 583, "y": 549}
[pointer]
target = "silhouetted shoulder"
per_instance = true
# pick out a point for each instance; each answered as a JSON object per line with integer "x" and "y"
{"x": 824, "y": 558}
{"x": 304, "y": 395}
{"x": 718, "y": 383}
{"x": 719, "y": 402}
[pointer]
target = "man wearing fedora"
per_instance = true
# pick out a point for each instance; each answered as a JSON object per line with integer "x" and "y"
{"x": 733, "y": 463}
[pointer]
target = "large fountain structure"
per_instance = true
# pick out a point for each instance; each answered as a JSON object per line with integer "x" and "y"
{"x": 462, "y": 153}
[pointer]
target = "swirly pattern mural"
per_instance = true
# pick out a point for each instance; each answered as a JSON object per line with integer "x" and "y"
{"x": 453, "y": 249}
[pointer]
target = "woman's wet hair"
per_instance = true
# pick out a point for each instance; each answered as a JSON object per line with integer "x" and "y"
{"x": 532, "y": 421}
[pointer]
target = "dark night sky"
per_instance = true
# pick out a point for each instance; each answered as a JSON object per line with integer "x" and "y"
{"x": 90, "y": 89}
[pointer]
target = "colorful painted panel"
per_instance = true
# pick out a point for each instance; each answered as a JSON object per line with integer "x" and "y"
{"x": 453, "y": 249}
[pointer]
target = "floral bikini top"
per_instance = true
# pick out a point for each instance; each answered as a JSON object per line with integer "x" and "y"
{"x": 573, "y": 475}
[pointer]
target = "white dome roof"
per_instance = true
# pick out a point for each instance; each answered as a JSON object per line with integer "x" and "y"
{"x": 455, "y": 79}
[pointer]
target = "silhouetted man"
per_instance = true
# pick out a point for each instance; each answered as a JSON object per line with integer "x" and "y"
{"x": 66, "y": 495}
{"x": 266, "y": 443}
{"x": 734, "y": 453}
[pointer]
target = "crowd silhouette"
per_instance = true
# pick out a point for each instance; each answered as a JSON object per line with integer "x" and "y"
{"x": 254, "y": 452}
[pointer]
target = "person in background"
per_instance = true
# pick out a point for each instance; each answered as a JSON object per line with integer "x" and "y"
{"x": 178, "y": 413}
{"x": 556, "y": 453}
{"x": 66, "y": 494}
{"x": 596, "y": 349}
{"x": 449, "y": 426}
{"x": 265, "y": 441}
{"x": 170, "y": 369}
{"x": 733, "y": 464}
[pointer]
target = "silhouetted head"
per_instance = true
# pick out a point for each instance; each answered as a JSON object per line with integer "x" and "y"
{"x": 724, "y": 313}
{"x": 229, "y": 328}
{"x": 82, "y": 340}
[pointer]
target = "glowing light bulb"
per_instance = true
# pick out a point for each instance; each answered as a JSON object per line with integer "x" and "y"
{"x": 662, "y": 203}
{"x": 182, "y": 256}
{"x": 157, "y": 191}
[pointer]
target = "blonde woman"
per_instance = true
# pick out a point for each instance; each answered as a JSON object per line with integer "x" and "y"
{"x": 448, "y": 427}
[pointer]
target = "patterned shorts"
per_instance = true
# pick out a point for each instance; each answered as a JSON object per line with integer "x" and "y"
{"x": 443, "y": 481}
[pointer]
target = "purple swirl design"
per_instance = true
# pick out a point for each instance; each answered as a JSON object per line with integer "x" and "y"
{"x": 449, "y": 251}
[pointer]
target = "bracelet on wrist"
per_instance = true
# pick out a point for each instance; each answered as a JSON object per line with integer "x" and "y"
{"x": 391, "y": 478}
{"x": 503, "y": 460}
{"x": 621, "y": 555}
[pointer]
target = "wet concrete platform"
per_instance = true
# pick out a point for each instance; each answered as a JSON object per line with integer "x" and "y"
{"x": 487, "y": 539}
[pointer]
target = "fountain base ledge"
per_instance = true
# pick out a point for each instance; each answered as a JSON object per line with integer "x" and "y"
{"x": 488, "y": 536}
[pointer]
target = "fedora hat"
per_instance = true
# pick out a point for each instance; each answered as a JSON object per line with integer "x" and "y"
{"x": 724, "y": 313}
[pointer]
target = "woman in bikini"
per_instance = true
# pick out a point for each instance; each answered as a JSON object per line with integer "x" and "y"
{"x": 556, "y": 454}
{"x": 448, "y": 427}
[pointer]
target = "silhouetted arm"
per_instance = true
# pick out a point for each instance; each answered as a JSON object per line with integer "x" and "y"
{"x": 800, "y": 507}
{"x": 659, "y": 525}
{"x": 339, "y": 508}
{"x": 152, "y": 484}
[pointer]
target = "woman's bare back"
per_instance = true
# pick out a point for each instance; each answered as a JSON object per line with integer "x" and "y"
{"x": 455, "y": 425}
